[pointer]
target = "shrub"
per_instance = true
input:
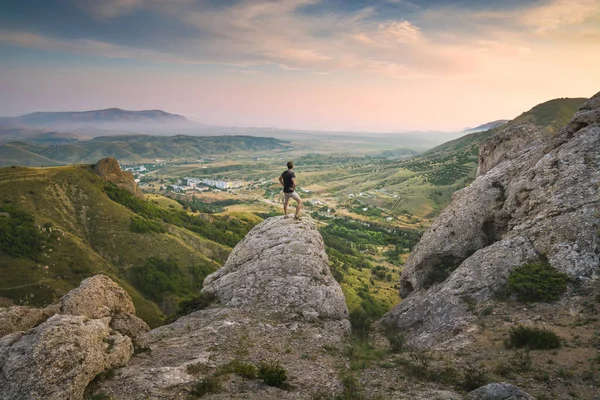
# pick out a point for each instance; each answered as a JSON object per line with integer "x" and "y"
{"x": 18, "y": 235}
{"x": 198, "y": 302}
{"x": 272, "y": 374}
{"x": 361, "y": 322}
{"x": 396, "y": 339}
{"x": 533, "y": 338}
{"x": 474, "y": 376}
{"x": 207, "y": 385}
{"x": 361, "y": 353}
{"x": 142, "y": 225}
{"x": 239, "y": 368}
{"x": 352, "y": 388}
{"x": 537, "y": 281}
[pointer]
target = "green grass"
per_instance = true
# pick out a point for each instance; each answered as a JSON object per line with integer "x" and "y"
{"x": 92, "y": 234}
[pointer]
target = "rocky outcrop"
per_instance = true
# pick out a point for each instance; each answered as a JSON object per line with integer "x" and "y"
{"x": 58, "y": 359}
{"x": 22, "y": 318}
{"x": 97, "y": 297}
{"x": 54, "y": 353}
{"x": 109, "y": 170}
{"x": 498, "y": 391}
{"x": 275, "y": 301}
{"x": 280, "y": 267}
{"x": 535, "y": 198}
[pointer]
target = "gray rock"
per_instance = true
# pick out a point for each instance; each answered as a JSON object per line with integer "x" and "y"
{"x": 535, "y": 197}
{"x": 20, "y": 318}
{"x": 431, "y": 395}
{"x": 278, "y": 302}
{"x": 128, "y": 325}
{"x": 4, "y": 215}
{"x": 498, "y": 391}
{"x": 97, "y": 297}
{"x": 59, "y": 358}
{"x": 280, "y": 267}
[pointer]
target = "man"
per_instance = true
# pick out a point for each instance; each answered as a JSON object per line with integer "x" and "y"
{"x": 288, "y": 181}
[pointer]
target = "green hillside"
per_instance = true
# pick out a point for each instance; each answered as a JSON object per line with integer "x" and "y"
{"x": 19, "y": 154}
{"x": 135, "y": 148}
{"x": 86, "y": 226}
{"x": 552, "y": 115}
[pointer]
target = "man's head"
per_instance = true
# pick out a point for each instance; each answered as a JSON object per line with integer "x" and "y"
{"x": 290, "y": 164}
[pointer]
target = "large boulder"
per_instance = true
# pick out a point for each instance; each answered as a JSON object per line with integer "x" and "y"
{"x": 498, "y": 391}
{"x": 97, "y": 297}
{"x": 108, "y": 169}
{"x": 281, "y": 267}
{"x": 59, "y": 358}
{"x": 275, "y": 301}
{"x": 536, "y": 197}
{"x": 55, "y": 352}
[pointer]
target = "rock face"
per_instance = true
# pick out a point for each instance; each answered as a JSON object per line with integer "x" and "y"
{"x": 280, "y": 266}
{"x": 498, "y": 391}
{"x": 536, "y": 197}
{"x": 20, "y": 318}
{"x": 54, "y": 353}
{"x": 276, "y": 302}
{"x": 109, "y": 170}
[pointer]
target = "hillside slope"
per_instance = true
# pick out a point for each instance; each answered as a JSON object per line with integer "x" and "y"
{"x": 86, "y": 226}
{"x": 134, "y": 148}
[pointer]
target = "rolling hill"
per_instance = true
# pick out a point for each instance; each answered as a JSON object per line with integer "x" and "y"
{"x": 134, "y": 148}
{"x": 59, "y": 225}
{"x": 93, "y": 117}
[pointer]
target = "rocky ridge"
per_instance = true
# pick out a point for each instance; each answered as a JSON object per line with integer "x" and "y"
{"x": 285, "y": 309}
{"x": 109, "y": 170}
{"x": 536, "y": 197}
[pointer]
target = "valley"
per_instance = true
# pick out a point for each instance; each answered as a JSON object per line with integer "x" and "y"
{"x": 371, "y": 197}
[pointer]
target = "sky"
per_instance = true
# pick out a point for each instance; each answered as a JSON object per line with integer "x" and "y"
{"x": 354, "y": 65}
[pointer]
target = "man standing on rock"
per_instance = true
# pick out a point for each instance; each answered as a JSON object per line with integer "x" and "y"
{"x": 288, "y": 181}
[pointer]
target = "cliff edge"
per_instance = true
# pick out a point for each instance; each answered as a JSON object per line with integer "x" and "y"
{"x": 536, "y": 198}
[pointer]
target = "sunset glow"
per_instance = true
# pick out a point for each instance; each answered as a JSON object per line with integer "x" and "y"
{"x": 363, "y": 65}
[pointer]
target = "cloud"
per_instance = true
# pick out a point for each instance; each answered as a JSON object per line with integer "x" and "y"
{"x": 109, "y": 8}
{"x": 439, "y": 42}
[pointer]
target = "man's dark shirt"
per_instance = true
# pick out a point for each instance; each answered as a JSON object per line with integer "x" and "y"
{"x": 288, "y": 185}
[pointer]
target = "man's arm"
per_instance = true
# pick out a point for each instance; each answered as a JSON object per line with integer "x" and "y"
{"x": 281, "y": 180}
{"x": 294, "y": 183}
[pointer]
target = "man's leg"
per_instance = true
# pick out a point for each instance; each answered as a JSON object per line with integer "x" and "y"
{"x": 285, "y": 204}
{"x": 298, "y": 206}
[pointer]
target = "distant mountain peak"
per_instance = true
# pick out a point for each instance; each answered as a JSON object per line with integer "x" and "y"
{"x": 486, "y": 126}
{"x": 103, "y": 116}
